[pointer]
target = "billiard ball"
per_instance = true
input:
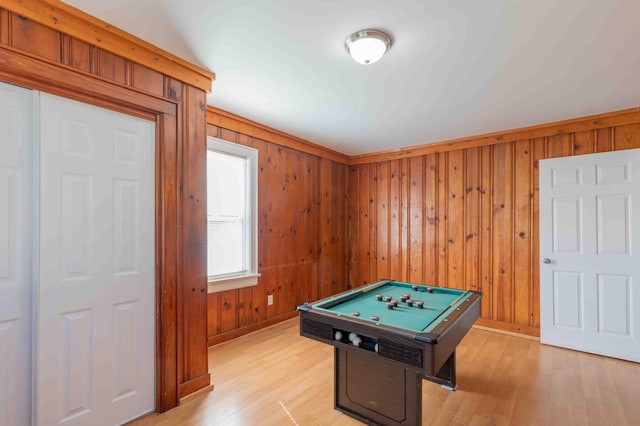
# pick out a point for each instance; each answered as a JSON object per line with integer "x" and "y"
{"x": 404, "y": 298}
{"x": 357, "y": 341}
{"x": 375, "y": 318}
{"x": 409, "y": 302}
{"x": 379, "y": 297}
{"x": 395, "y": 303}
{"x": 352, "y": 336}
{"x": 414, "y": 287}
{"x": 338, "y": 335}
{"x": 429, "y": 289}
{"x": 389, "y": 305}
{"x": 420, "y": 304}
{"x": 375, "y": 348}
{"x": 388, "y": 298}
{"x": 355, "y": 314}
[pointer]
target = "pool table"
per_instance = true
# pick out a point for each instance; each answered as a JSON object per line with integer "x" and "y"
{"x": 388, "y": 336}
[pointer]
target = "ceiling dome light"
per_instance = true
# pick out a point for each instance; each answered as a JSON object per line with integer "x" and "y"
{"x": 368, "y": 46}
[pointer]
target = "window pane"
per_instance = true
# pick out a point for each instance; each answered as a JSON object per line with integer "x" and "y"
{"x": 226, "y": 211}
{"x": 226, "y": 248}
{"x": 226, "y": 184}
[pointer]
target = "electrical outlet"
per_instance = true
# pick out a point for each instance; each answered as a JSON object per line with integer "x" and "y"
{"x": 270, "y": 299}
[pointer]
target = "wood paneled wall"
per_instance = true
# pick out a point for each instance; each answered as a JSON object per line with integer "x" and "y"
{"x": 302, "y": 235}
{"x": 35, "y": 54}
{"x": 465, "y": 215}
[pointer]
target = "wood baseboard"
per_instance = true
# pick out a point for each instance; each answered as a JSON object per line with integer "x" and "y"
{"x": 229, "y": 335}
{"x": 194, "y": 385}
{"x": 508, "y": 333}
{"x": 515, "y": 329}
{"x": 196, "y": 394}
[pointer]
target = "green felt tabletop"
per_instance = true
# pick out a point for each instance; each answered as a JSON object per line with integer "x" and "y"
{"x": 363, "y": 300}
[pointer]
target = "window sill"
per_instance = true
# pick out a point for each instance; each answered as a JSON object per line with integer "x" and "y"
{"x": 225, "y": 284}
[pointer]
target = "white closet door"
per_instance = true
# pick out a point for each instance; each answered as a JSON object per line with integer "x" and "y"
{"x": 16, "y": 112}
{"x": 95, "y": 339}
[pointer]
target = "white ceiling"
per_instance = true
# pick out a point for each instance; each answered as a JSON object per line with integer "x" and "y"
{"x": 457, "y": 68}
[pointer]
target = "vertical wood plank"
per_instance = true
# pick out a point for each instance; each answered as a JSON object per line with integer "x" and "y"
{"x": 584, "y": 142}
{"x": 373, "y": 224}
{"x": 486, "y": 231}
{"x": 560, "y": 145}
{"x": 167, "y": 266}
{"x": 383, "y": 221}
{"x": 111, "y": 67}
{"x": 80, "y": 58}
{"x": 538, "y": 147}
{"x": 245, "y": 303}
{"x": 340, "y": 241}
{"x": 604, "y": 139}
{"x": 416, "y": 219}
{"x": 472, "y": 218}
{"x": 213, "y": 315}
{"x": 431, "y": 253}
{"x": 146, "y": 79}
{"x": 404, "y": 221}
{"x": 442, "y": 178}
{"x": 502, "y": 232}
{"x": 353, "y": 231}
{"x": 274, "y": 164}
{"x": 228, "y": 135}
{"x": 4, "y": 27}
{"x": 34, "y": 38}
{"x": 326, "y": 219}
{"x": 259, "y": 292}
{"x": 228, "y": 301}
{"x": 245, "y": 300}
{"x": 455, "y": 229}
{"x": 364, "y": 222}
{"x": 313, "y": 188}
{"x": 395, "y": 224}
{"x": 193, "y": 220}
{"x": 303, "y": 211}
{"x": 626, "y": 137}
{"x": 289, "y": 244}
{"x": 523, "y": 197}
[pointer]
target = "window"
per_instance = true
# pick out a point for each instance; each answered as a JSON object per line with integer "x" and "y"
{"x": 232, "y": 246}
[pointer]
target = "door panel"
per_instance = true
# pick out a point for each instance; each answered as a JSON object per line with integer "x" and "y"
{"x": 16, "y": 278}
{"x": 96, "y": 319}
{"x": 567, "y": 299}
{"x": 614, "y": 304}
{"x": 588, "y": 295}
{"x": 613, "y": 224}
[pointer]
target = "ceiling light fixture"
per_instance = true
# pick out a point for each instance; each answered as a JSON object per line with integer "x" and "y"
{"x": 368, "y": 46}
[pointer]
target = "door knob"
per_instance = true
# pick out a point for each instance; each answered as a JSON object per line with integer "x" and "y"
{"x": 546, "y": 260}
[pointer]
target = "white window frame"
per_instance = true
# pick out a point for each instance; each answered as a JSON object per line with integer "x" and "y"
{"x": 250, "y": 277}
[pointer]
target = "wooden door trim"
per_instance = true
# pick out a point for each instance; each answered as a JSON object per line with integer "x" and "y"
{"x": 35, "y": 73}
{"x": 78, "y": 24}
{"x": 22, "y": 70}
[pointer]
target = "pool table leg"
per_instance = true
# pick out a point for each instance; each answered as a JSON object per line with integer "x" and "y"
{"x": 446, "y": 376}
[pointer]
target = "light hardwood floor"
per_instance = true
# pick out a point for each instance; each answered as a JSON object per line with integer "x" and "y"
{"x": 276, "y": 377}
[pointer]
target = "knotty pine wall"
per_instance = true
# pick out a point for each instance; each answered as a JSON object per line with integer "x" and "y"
{"x": 35, "y": 54}
{"x": 466, "y": 214}
{"x": 302, "y": 233}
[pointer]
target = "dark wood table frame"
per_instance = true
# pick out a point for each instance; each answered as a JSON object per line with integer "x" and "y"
{"x": 385, "y": 387}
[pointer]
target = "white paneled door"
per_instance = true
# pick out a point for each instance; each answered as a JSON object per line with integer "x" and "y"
{"x": 16, "y": 112}
{"x": 589, "y": 242}
{"x": 95, "y": 331}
